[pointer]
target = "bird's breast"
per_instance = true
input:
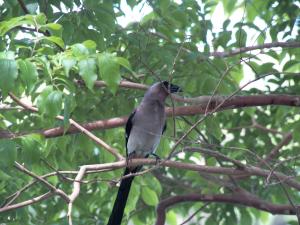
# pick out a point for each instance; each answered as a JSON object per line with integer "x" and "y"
{"x": 146, "y": 131}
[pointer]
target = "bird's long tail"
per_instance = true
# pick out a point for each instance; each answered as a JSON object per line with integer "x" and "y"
{"x": 120, "y": 202}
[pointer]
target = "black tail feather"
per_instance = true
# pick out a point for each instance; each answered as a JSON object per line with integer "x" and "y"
{"x": 121, "y": 199}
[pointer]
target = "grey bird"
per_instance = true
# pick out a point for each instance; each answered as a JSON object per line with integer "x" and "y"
{"x": 143, "y": 129}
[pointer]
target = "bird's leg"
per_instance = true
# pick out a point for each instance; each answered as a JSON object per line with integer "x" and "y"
{"x": 127, "y": 161}
{"x": 129, "y": 158}
{"x": 156, "y": 157}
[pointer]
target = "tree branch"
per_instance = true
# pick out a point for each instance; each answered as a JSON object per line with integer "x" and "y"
{"x": 241, "y": 198}
{"x": 215, "y": 154}
{"x": 256, "y": 47}
{"x": 291, "y": 44}
{"x": 233, "y": 103}
{"x": 275, "y": 151}
{"x": 10, "y": 199}
{"x": 42, "y": 180}
{"x": 247, "y": 170}
{"x": 250, "y": 171}
{"x": 23, "y": 6}
{"x": 26, "y": 203}
{"x": 123, "y": 83}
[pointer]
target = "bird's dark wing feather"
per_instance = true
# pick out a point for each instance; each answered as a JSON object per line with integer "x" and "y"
{"x": 164, "y": 128}
{"x": 128, "y": 129}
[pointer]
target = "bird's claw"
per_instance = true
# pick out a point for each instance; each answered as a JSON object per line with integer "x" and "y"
{"x": 157, "y": 158}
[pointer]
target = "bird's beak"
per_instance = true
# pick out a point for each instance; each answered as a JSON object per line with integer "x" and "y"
{"x": 174, "y": 88}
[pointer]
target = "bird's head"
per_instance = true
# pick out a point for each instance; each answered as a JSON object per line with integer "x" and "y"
{"x": 161, "y": 90}
{"x": 171, "y": 88}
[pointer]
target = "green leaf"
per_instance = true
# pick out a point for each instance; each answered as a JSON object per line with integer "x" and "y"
{"x": 123, "y": 62}
{"x": 8, "y": 153}
{"x": 208, "y": 85}
{"x": 131, "y": 3}
{"x": 56, "y": 40}
{"x": 134, "y": 197}
{"x": 229, "y": 5}
{"x": 293, "y": 222}
{"x": 49, "y": 102}
{"x": 54, "y": 28}
{"x": 223, "y": 39}
{"x": 164, "y": 6}
{"x": 264, "y": 217}
{"x": 31, "y": 152}
{"x": 266, "y": 68}
{"x": 135, "y": 218}
{"x": 296, "y": 135}
{"x": 54, "y": 103}
{"x": 33, "y": 20}
{"x": 153, "y": 183}
{"x": 69, "y": 106}
{"x": 7, "y": 25}
{"x": 109, "y": 70}
{"x": 213, "y": 127}
{"x": 241, "y": 37}
{"x": 40, "y": 19}
{"x": 149, "y": 196}
{"x": 172, "y": 218}
{"x": 41, "y": 100}
{"x": 8, "y": 74}
{"x": 87, "y": 70}
{"x": 79, "y": 50}
{"x": 91, "y": 45}
{"x": 67, "y": 64}
{"x": 292, "y": 66}
{"x": 28, "y": 74}
{"x": 211, "y": 220}
{"x": 246, "y": 218}
{"x": 237, "y": 74}
{"x": 7, "y": 55}
{"x": 149, "y": 17}
{"x": 225, "y": 24}
{"x": 163, "y": 147}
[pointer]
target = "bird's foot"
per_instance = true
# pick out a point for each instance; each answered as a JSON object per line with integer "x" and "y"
{"x": 156, "y": 157}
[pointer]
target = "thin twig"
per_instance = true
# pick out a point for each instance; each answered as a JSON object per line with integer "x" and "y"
{"x": 195, "y": 213}
{"x": 42, "y": 180}
{"x": 26, "y": 203}
{"x": 23, "y": 6}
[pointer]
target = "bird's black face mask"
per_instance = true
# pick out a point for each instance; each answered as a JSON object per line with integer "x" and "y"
{"x": 172, "y": 88}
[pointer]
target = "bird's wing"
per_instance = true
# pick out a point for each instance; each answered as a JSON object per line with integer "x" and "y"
{"x": 164, "y": 128}
{"x": 128, "y": 129}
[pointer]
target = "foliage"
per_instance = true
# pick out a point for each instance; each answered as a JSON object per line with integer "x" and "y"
{"x": 47, "y": 48}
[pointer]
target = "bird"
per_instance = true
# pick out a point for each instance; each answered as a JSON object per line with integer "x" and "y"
{"x": 143, "y": 132}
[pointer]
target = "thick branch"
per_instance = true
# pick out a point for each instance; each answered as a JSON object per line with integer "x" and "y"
{"x": 240, "y": 198}
{"x": 233, "y": 103}
{"x": 250, "y": 170}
